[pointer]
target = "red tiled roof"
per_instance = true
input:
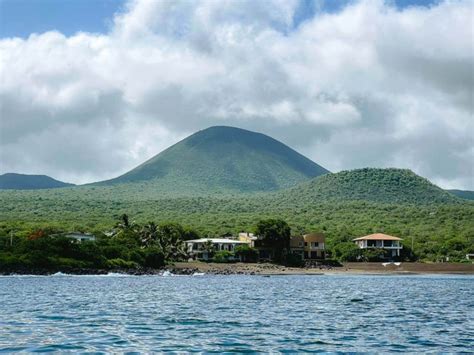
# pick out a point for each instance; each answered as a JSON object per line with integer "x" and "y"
{"x": 378, "y": 236}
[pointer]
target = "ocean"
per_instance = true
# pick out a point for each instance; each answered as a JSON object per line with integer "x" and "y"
{"x": 327, "y": 313}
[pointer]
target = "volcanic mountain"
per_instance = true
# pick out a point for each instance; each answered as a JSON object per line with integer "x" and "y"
{"x": 12, "y": 181}
{"x": 224, "y": 159}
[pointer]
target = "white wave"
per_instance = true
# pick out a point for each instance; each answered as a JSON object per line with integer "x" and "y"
{"x": 59, "y": 274}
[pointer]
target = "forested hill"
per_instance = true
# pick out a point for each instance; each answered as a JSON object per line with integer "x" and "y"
{"x": 370, "y": 184}
{"x": 12, "y": 181}
{"x": 223, "y": 159}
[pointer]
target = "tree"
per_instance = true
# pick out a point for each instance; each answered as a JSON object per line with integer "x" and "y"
{"x": 170, "y": 240}
{"x": 222, "y": 256}
{"x": 125, "y": 229}
{"x": 124, "y": 222}
{"x": 275, "y": 234}
{"x": 347, "y": 251}
{"x": 375, "y": 254}
{"x": 149, "y": 234}
{"x": 246, "y": 253}
{"x": 154, "y": 257}
{"x": 189, "y": 234}
{"x": 209, "y": 247}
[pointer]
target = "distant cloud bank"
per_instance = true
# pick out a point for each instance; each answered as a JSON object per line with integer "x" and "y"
{"x": 370, "y": 85}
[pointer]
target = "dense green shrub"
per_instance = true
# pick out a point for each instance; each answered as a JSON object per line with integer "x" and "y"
{"x": 154, "y": 258}
{"x": 246, "y": 253}
{"x": 346, "y": 251}
{"x": 8, "y": 260}
{"x": 294, "y": 260}
{"x": 68, "y": 263}
{"x": 223, "y": 256}
{"x": 121, "y": 264}
{"x": 275, "y": 234}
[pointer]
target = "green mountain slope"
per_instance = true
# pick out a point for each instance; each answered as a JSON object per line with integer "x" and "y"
{"x": 223, "y": 159}
{"x": 12, "y": 181}
{"x": 465, "y": 194}
{"x": 374, "y": 185}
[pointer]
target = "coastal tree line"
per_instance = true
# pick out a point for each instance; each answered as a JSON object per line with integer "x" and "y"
{"x": 129, "y": 244}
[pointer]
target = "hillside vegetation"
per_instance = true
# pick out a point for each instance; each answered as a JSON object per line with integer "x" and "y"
{"x": 375, "y": 185}
{"x": 10, "y": 181}
{"x": 342, "y": 205}
{"x": 464, "y": 194}
{"x": 224, "y": 159}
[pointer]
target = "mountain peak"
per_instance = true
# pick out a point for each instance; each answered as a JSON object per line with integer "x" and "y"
{"x": 226, "y": 158}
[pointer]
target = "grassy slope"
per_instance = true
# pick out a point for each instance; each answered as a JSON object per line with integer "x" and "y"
{"x": 224, "y": 159}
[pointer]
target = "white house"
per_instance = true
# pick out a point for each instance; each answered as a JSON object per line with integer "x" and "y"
{"x": 381, "y": 241}
{"x": 80, "y": 237}
{"x": 198, "y": 248}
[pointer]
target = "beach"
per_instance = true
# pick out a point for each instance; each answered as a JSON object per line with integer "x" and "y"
{"x": 198, "y": 267}
{"x": 348, "y": 268}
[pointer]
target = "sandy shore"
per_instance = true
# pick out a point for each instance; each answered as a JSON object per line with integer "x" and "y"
{"x": 349, "y": 268}
{"x": 190, "y": 268}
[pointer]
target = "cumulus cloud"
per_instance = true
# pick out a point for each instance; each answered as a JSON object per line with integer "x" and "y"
{"x": 369, "y": 85}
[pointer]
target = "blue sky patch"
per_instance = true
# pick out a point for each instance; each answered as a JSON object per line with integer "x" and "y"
{"x": 20, "y": 18}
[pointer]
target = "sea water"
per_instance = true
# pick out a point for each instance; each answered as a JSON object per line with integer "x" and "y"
{"x": 237, "y": 313}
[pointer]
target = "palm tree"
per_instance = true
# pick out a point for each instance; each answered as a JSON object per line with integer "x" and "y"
{"x": 149, "y": 234}
{"x": 208, "y": 247}
{"x": 124, "y": 222}
{"x": 124, "y": 225}
{"x": 170, "y": 237}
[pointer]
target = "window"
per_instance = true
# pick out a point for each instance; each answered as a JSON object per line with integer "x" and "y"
{"x": 300, "y": 244}
{"x": 305, "y": 244}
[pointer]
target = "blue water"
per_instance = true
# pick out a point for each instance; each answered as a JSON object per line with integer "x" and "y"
{"x": 237, "y": 313}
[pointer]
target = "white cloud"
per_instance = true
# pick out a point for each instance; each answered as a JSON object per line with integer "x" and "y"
{"x": 368, "y": 86}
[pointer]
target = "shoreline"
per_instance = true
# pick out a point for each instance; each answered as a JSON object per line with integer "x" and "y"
{"x": 263, "y": 269}
{"x": 375, "y": 268}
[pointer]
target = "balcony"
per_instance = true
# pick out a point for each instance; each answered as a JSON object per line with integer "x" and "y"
{"x": 382, "y": 245}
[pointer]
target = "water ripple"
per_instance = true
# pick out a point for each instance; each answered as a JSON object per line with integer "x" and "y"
{"x": 237, "y": 314}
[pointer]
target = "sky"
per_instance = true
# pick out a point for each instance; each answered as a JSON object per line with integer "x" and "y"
{"x": 90, "y": 89}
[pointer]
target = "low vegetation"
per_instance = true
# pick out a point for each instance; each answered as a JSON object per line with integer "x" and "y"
{"x": 128, "y": 245}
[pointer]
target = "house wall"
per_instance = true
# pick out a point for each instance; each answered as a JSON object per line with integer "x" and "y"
{"x": 309, "y": 246}
{"x": 393, "y": 246}
{"x": 250, "y": 239}
{"x": 196, "y": 249}
{"x": 314, "y": 246}
{"x": 297, "y": 242}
